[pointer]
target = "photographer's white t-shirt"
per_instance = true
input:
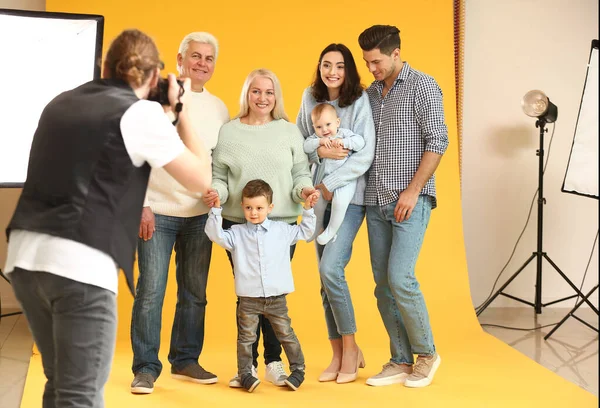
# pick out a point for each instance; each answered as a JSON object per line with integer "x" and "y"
{"x": 149, "y": 137}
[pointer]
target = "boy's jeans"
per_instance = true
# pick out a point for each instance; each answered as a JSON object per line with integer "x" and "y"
{"x": 274, "y": 308}
{"x": 271, "y": 344}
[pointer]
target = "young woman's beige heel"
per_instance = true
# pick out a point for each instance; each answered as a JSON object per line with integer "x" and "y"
{"x": 346, "y": 378}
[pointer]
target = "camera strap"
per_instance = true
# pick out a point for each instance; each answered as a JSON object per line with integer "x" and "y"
{"x": 178, "y": 105}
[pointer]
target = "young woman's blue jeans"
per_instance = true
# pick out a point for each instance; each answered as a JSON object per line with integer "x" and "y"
{"x": 395, "y": 247}
{"x": 333, "y": 258}
{"x": 192, "y": 260}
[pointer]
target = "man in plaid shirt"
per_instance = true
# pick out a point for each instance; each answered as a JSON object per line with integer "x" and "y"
{"x": 400, "y": 194}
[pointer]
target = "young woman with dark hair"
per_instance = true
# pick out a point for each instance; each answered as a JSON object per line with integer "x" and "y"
{"x": 337, "y": 82}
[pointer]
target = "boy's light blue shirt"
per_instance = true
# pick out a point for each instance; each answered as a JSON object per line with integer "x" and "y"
{"x": 260, "y": 252}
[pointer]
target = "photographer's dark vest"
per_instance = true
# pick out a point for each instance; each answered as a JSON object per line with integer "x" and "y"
{"x": 81, "y": 184}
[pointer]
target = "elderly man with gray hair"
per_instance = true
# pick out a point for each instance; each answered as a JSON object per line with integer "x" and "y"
{"x": 175, "y": 218}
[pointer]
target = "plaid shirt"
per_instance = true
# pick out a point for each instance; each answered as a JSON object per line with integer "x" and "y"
{"x": 409, "y": 120}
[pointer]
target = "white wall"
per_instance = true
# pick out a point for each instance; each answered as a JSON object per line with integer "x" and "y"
{"x": 35, "y": 5}
{"x": 8, "y": 197}
{"x": 511, "y": 47}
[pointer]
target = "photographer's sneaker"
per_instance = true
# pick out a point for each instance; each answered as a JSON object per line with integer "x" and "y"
{"x": 249, "y": 382}
{"x": 392, "y": 373}
{"x": 423, "y": 371}
{"x": 235, "y": 381}
{"x": 194, "y": 373}
{"x": 275, "y": 373}
{"x": 295, "y": 379}
{"x": 143, "y": 383}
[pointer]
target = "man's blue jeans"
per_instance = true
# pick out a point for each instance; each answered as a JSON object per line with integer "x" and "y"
{"x": 394, "y": 248}
{"x": 75, "y": 327}
{"x": 192, "y": 260}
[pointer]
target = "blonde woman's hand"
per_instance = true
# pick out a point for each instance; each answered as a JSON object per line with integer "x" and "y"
{"x": 311, "y": 200}
{"x": 306, "y": 192}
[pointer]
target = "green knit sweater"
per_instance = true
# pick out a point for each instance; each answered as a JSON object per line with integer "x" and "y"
{"x": 272, "y": 152}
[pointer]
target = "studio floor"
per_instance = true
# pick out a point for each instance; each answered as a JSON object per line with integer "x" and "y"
{"x": 571, "y": 353}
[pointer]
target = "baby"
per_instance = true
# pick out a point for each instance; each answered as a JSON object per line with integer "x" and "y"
{"x": 328, "y": 133}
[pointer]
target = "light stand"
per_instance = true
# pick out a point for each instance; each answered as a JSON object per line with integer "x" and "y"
{"x": 537, "y": 104}
{"x": 7, "y": 314}
{"x": 572, "y": 314}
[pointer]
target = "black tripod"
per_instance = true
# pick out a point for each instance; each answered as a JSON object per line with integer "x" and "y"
{"x": 572, "y": 314}
{"x": 539, "y": 253}
{"x": 7, "y": 314}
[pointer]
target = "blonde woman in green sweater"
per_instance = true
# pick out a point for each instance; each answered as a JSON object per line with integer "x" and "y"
{"x": 260, "y": 143}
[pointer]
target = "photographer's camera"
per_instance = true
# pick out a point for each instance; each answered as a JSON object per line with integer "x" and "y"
{"x": 160, "y": 94}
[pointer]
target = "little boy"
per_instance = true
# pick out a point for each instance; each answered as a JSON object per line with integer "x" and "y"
{"x": 328, "y": 133}
{"x": 260, "y": 250}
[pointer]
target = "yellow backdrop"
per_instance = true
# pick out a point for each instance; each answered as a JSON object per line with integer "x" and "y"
{"x": 288, "y": 40}
{"x": 287, "y": 37}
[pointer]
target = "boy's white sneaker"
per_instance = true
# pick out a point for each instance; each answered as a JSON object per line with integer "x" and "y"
{"x": 235, "y": 381}
{"x": 275, "y": 373}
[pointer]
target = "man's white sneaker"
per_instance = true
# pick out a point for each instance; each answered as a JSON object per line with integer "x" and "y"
{"x": 275, "y": 373}
{"x": 392, "y": 373}
{"x": 235, "y": 381}
{"x": 423, "y": 371}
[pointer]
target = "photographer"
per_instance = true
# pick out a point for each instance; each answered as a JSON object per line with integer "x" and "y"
{"x": 174, "y": 217}
{"x": 77, "y": 219}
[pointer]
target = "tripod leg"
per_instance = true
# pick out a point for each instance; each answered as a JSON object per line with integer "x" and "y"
{"x": 490, "y": 300}
{"x": 6, "y": 314}
{"x": 10, "y": 314}
{"x": 575, "y": 288}
{"x": 571, "y": 312}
